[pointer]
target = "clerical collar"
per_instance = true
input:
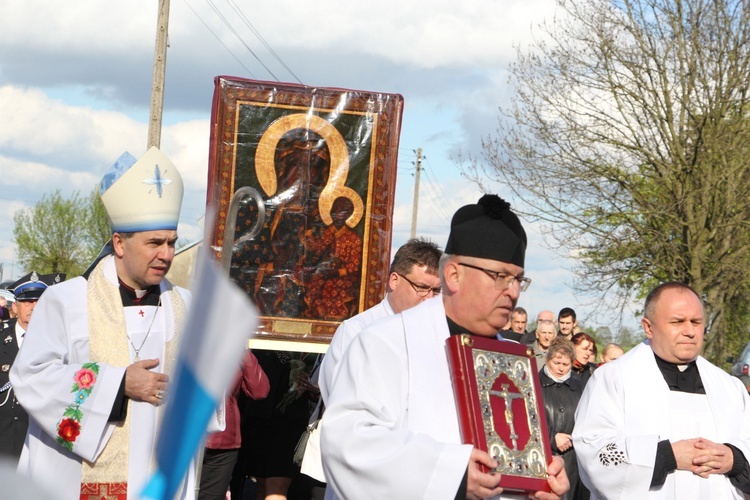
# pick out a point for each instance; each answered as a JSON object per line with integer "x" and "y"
{"x": 681, "y": 378}
{"x": 456, "y": 329}
{"x": 132, "y": 297}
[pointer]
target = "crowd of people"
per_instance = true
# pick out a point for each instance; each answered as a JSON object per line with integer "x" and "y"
{"x": 566, "y": 358}
{"x": 82, "y": 400}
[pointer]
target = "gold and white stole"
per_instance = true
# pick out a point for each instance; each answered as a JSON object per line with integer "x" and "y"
{"x": 108, "y": 344}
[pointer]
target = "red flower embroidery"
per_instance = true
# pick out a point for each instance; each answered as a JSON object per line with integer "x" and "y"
{"x": 85, "y": 378}
{"x": 68, "y": 429}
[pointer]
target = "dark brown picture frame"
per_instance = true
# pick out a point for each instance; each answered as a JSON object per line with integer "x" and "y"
{"x": 324, "y": 162}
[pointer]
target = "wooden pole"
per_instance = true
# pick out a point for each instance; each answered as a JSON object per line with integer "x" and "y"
{"x": 157, "y": 87}
{"x": 415, "y": 207}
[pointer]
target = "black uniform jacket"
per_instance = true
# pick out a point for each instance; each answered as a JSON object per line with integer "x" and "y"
{"x": 13, "y": 418}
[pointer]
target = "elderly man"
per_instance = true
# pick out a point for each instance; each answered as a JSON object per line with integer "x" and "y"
{"x": 413, "y": 278}
{"x": 391, "y": 426}
{"x": 529, "y": 338}
{"x": 662, "y": 422}
{"x": 95, "y": 366}
{"x": 13, "y": 419}
{"x": 545, "y": 334}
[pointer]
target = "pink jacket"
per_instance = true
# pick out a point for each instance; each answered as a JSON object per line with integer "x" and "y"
{"x": 253, "y": 381}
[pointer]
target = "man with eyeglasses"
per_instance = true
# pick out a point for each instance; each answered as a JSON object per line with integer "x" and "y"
{"x": 391, "y": 426}
{"x": 412, "y": 278}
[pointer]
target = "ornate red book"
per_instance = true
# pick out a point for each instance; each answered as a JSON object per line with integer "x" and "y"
{"x": 500, "y": 408}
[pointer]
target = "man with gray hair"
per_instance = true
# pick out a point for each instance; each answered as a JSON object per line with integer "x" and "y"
{"x": 14, "y": 420}
{"x": 391, "y": 426}
{"x": 530, "y": 337}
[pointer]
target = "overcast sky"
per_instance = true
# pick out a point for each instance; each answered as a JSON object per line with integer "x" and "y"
{"x": 75, "y": 84}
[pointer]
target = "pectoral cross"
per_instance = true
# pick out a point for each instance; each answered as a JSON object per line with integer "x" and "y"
{"x": 508, "y": 397}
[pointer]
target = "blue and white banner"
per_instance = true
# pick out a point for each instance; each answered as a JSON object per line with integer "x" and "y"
{"x": 213, "y": 344}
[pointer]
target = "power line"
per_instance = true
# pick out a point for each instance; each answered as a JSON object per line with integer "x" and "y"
{"x": 219, "y": 40}
{"x": 438, "y": 199}
{"x": 228, "y": 25}
{"x": 262, "y": 40}
{"x": 436, "y": 186}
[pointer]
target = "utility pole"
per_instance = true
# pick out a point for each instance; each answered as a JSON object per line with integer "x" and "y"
{"x": 416, "y": 194}
{"x": 160, "y": 64}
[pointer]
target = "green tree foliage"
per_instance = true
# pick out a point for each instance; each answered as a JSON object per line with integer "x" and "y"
{"x": 625, "y": 337}
{"x": 628, "y": 139}
{"x": 96, "y": 226}
{"x": 60, "y": 235}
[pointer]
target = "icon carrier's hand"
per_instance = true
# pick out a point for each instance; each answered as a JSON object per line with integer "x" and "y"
{"x": 557, "y": 479}
{"x": 141, "y": 384}
{"x": 482, "y": 484}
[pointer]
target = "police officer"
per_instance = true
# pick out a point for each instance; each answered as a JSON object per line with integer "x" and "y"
{"x": 13, "y": 419}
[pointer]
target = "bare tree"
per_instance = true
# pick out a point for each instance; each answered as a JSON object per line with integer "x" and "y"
{"x": 629, "y": 137}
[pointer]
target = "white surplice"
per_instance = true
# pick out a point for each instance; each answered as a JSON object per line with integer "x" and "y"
{"x": 627, "y": 408}
{"x": 55, "y": 348}
{"x": 390, "y": 429}
{"x": 346, "y": 331}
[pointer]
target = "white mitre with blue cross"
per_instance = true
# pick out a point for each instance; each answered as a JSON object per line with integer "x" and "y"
{"x": 143, "y": 195}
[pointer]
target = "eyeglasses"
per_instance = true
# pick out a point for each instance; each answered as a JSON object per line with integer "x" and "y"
{"x": 422, "y": 290}
{"x": 503, "y": 281}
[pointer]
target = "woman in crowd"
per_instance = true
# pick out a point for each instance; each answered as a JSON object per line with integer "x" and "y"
{"x": 273, "y": 425}
{"x": 222, "y": 448}
{"x": 561, "y": 393}
{"x": 611, "y": 352}
{"x": 585, "y": 355}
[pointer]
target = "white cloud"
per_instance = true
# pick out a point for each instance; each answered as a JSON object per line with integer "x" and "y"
{"x": 85, "y": 26}
{"x": 187, "y": 143}
{"x": 441, "y": 33}
{"x": 448, "y": 58}
{"x": 36, "y": 125}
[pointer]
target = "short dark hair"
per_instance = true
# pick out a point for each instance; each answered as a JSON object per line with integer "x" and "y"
{"x": 519, "y": 310}
{"x": 653, "y": 295}
{"x": 565, "y": 312}
{"x": 419, "y": 252}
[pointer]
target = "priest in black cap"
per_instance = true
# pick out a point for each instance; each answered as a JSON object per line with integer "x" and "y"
{"x": 13, "y": 419}
{"x": 391, "y": 425}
